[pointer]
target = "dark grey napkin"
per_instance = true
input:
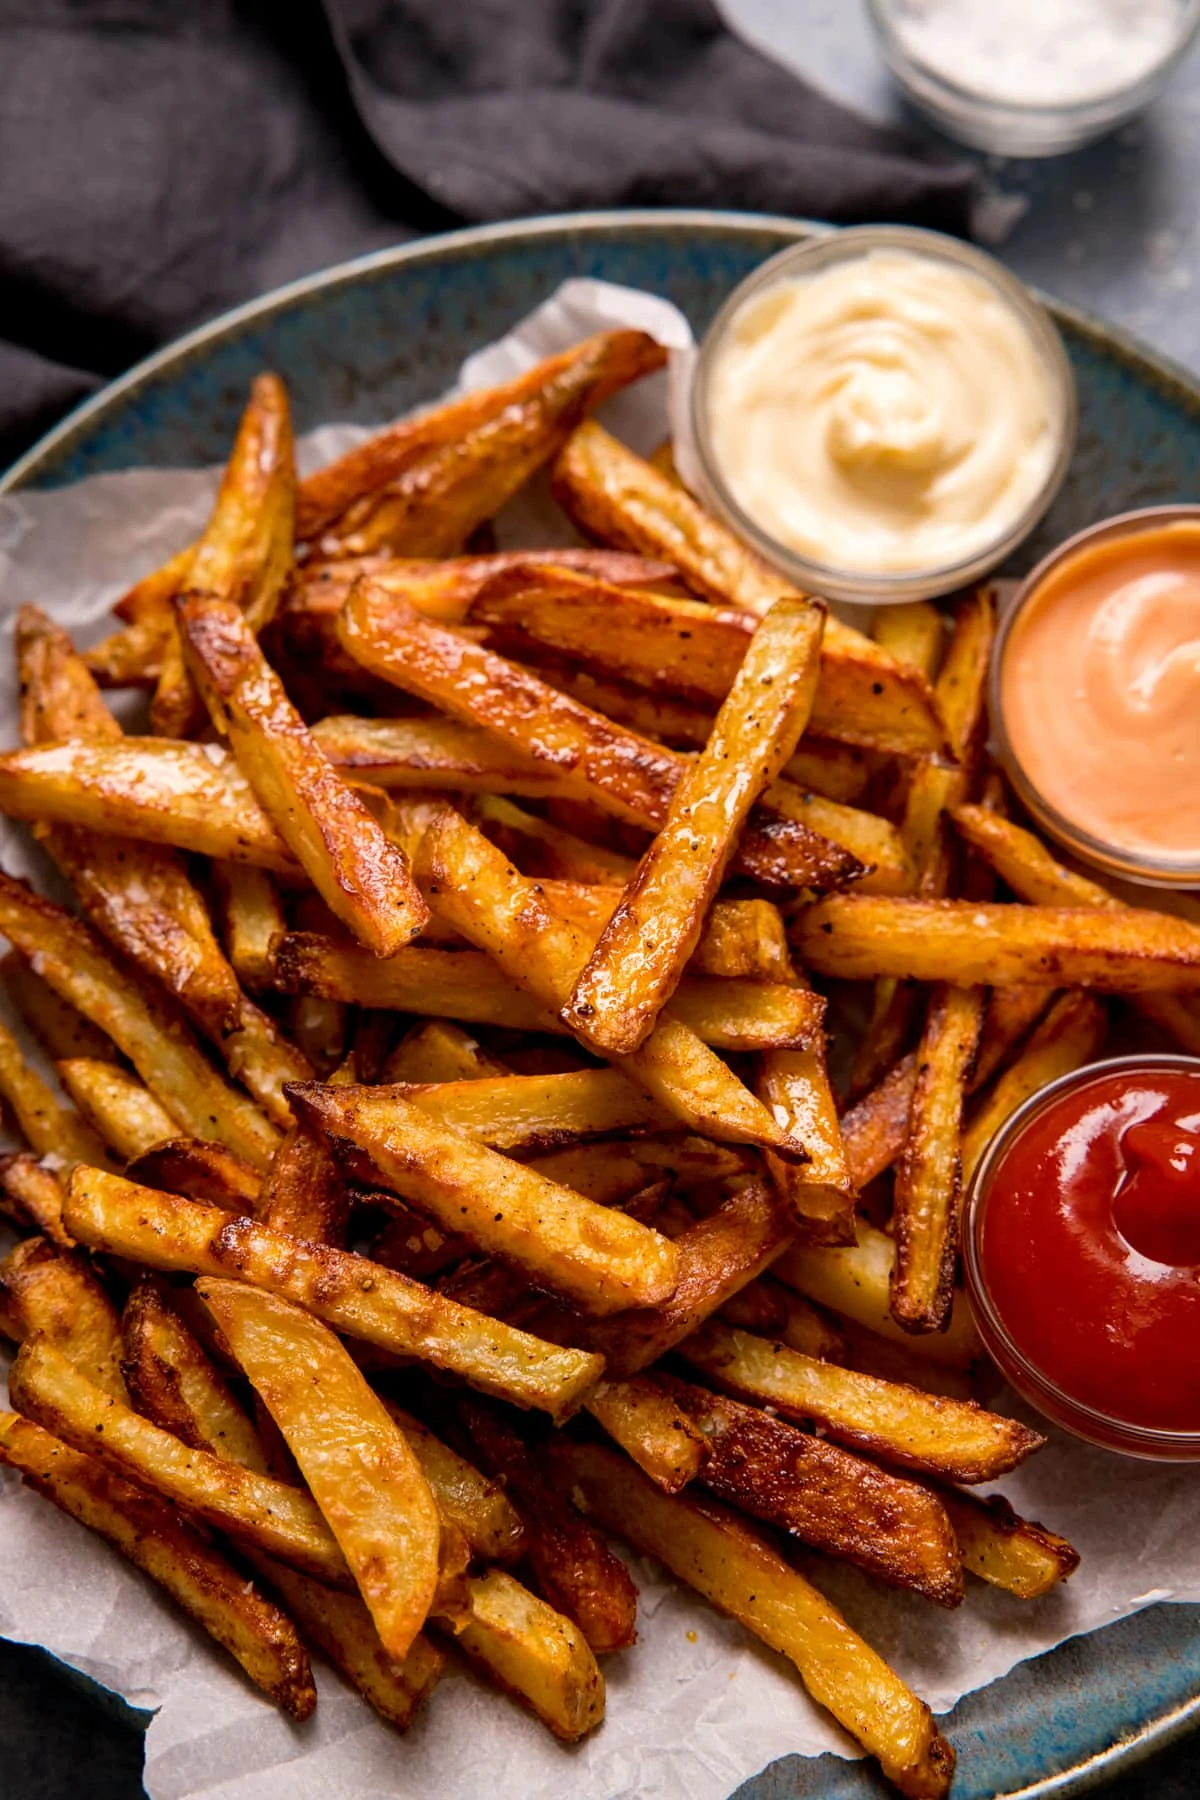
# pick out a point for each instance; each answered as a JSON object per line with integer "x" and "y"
{"x": 163, "y": 159}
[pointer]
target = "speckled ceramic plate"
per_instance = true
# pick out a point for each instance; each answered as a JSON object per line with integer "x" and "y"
{"x": 372, "y": 338}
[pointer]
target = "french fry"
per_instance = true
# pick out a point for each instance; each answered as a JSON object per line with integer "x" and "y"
{"x": 1070, "y": 1035}
{"x": 362, "y": 877}
{"x": 650, "y": 1426}
{"x": 303, "y": 1193}
{"x": 912, "y": 633}
{"x": 595, "y": 759}
{"x": 1011, "y": 1014}
{"x": 49, "y": 1127}
{"x": 794, "y": 1085}
{"x": 929, "y": 1178}
{"x": 1005, "y": 1550}
{"x": 53, "y": 1293}
{"x": 864, "y": 695}
{"x": 205, "y": 1172}
{"x": 825, "y": 1496}
{"x": 573, "y": 1567}
{"x": 540, "y": 1112}
{"x": 961, "y": 691}
{"x": 599, "y": 1258}
{"x": 31, "y": 1192}
{"x": 954, "y": 1439}
{"x": 1021, "y": 860}
{"x": 492, "y": 906}
{"x": 769, "y": 1309}
{"x": 642, "y": 952}
{"x": 855, "y": 1281}
{"x": 172, "y": 1552}
{"x": 46, "y": 1387}
{"x": 117, "y": 1105}
{"x": 158, "y": 1045}
{"x": 253, "y": 918}
{"x": 708, "y": 1547}
{"x": 612, "y": 1173}
{"x": 245, "y": 554}
{"x": 533, "y": 1653}
{"x": 351, "y": 1293}
{"x": 437, "y": 1052}
{"x": 476, "y": 452}
{"x": 860, "y": 937}
{"x": 59, "y": 1027}
{"x": 354, "y": 1457}
{"x": 174, "y": 1384}
{"x": 547, "y": 851}
{"x": 875, "y": 1131}
{"x": 477, "y": 1506}
{"x": 131, "y": 657}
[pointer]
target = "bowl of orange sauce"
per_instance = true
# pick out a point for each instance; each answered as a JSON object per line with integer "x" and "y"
{"x": 1096, "y": 695}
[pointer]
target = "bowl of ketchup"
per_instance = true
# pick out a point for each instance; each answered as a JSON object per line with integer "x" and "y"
{"x": 1081, "y": 1246}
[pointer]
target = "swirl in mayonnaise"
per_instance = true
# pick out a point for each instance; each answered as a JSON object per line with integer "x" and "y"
{"x": 888, "y": 414}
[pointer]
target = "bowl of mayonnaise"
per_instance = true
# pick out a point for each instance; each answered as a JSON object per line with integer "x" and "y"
{"x": 884, "y": 413}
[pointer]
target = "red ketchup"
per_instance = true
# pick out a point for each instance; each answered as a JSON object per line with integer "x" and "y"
{"x": 1090, "y": 1244}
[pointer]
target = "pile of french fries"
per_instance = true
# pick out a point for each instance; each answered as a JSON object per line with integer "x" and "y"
{"x": 446, "y": 1170}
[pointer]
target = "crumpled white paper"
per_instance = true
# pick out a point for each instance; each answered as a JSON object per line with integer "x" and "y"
{"x": 698, "y": 1706}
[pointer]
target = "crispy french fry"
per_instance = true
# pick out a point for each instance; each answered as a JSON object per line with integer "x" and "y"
{"x": 172, "y": 1552}
{"x": 650, "y": 1426}
{"x": 1005, "y": 1550}
{"x": 929, "y": 1178}
{"x": 54, "y": 1294}
{"x": 540, "y": 1112}
{"x": 159, "y": 1046}
{"x": 117, "y": 1105}
{"x": 856, "y": 1281}
{"x": 612, "y": 1173}
{"x": 875, "y": 1131}
{"x": 253, "y": 918}
{"x": 541, "y": 849}
{"x": 1070, "y": 1035}
{"x": 535, "y": 1654}
{"x": 174, "y": 1384}
{"x": 573, "y": 1567}
{"x": 952, "y": 1438}
{"x": 794, "y": 1084}
{"x": 716, "y": 1553}
{"x": 477, "y": 1506}
{"x": 205, "y": 1172}
{"x": 437, "y": 1052}
{"x": 642, "y": 952}
{"x": 431, "y": 503}
{"x": 131, "y": 657}
{"x": 864, "y": 695}
{"x": 1127, "y": 951}
{"x": 961, "y": 691}
{"x": 599, "y": 1258}
{"x": 351, "y": 1293}
{"x": 1011, "y": 1014}
{"x": 46, "y": 1387}
{"x": 912, "y": 633}
{"x": 596, "y": 760}
{"x": 825, "y": 1496}
{"x": 769, "y": 1309}
{"x": 49, "y": 1127}
{"x": 363, "y": 877}
{"x": 59, "y": 1027}
{"x": 354, "y": 1457}
{"x": 1021, "y": 860}
{"x": 33, "y": 1193}
{"x": 303, "y": 1193}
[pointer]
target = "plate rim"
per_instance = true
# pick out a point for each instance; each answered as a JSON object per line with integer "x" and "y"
{"x": 1145, "y": 363}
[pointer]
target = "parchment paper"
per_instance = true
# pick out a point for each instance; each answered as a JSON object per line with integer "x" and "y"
{"x": 697, "y": 1706}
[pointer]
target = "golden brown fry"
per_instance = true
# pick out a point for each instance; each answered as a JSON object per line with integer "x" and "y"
{"x": 1005, "y": 1550}
{"x": 117, "y": 1105}
{"x": 929, "y": 1178}
{"x": 642, "y": 1417}
{"x": 175, "y": 1385}
{"x": 351, "y": 1293}
{"x": 961, "y": 691}
{"x": 572, "y": 1565}
{"x": 253, "y": 918}
{"x": 59, "y": 1027}
{"x": 477, "y": 1506}
{"x": 599, "y": 1258}
{"x": 47, "y": 1388}
{"x": 1011, "y": 1014}
{"x": 713, "y": 1551}
{"x": 547, "y": 851}
{"x": 540, "y": 1112}
{"x": 535, "y": 1654}
{"x": 49, "y": 1127}
{"x": 771, "y": 1310}
{"x": 362, "y": 877}
{"x": 54, "y": 1294}
{"x": 612, "y": 1173}
{"x": 1070, "y": 1035}
{"x": 438, "y": 1051}
{"x": 1127, "y": 951}
{"x": 855, "y": 1281}
{"x": 303, "y": 1193}
{"x": 642, "y": 952}
{"x": 173, "y": 1553}
{"x": 794, "y": 1084}
{"x": 476, "y": 452}
{"x": 912, "y": 633}
{"x": 825, "y": 1496}
{"x": 951, "y": 1438}
{"x": 875, "y": 1131}
{"x": 595, "y": 759}
{"x": 131, "y": 657}
{"x": 354, "y": 1457}
{"x": 33, "y": 1193}
{"x": 201, "y": 1171}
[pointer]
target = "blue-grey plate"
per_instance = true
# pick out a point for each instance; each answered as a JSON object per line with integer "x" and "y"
{"x": 369, "y": 340}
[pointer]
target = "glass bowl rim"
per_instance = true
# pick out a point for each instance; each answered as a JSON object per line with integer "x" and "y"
{"x": 863, "y": 586}
{"x": 1110, "y": 858}
{"x": 1096, "y": 1426}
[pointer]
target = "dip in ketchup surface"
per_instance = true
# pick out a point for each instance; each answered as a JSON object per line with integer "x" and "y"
{"x": 1090, "y": 1244}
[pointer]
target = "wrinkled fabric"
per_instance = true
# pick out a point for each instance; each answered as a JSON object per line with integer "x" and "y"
{"x": 163, "y": 159}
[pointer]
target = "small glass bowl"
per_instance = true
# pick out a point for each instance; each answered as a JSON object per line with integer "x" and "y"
{"x": 867, "y": 587}
{"x": 1112, "y": 860}
{"x": 1007, "y": 127}
{"x": 1151, "y": 1443}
